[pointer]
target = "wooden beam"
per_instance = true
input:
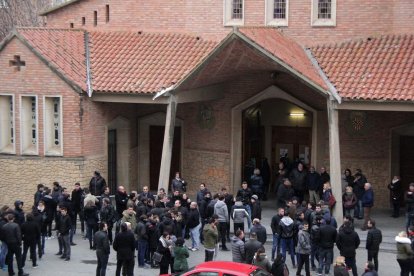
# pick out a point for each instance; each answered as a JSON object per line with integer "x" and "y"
{"x": 335, "y": 158}
{"x": 165, "y": 167}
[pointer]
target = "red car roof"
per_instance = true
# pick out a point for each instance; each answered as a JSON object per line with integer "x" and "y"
{"x": 243, "y": 269}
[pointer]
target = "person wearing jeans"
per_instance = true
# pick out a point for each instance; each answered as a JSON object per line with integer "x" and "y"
{"x": 327, "y": 238}
{"x": 142, "y": 238}
{"x": 275, "y": 230}
{"x": 194, "y": 226}
{"x": 286, "y": 228}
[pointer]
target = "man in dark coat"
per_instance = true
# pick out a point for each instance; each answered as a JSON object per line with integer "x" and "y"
{"x": 275, "y": 230}
{"x": 18, "y": 212}
{"x": 297, "y": 177}
{"x": 284, "y": 193}
{"x": 395, "y": 195}
{"x": 121, "y": 200}
{"x": 327, "y": 238}
{"x": 13, "y": 238}
{"x": 251, "y": 247}
{"x": 374, "y": 239}
{"x": 145, "y": 194}
{"x": 124, "y": 245}
{"x": 313, "y": 184}
{"x": 347, "y": 242}
{"x": 245, "y": 195}
{"x": 39, "y": 194}
{"x": 65, "y": 226}
{"x": 76, "y": 203}
{"x": 367, "y": 203}
{"x": 97, "y": 184}
{"x": 260, "y": 231}
{"x": 30, "y": 235}
{"x": 102, "y": 249}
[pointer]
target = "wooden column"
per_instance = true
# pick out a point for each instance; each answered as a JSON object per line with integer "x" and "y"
{"x": 164, "y": 179}
{"x": 335, "y": 158}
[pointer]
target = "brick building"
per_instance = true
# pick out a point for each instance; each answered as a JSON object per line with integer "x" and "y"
{"x": 132, "y": 88}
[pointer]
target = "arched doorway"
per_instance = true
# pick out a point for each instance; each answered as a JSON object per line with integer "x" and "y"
{"x": 269, "y": 137}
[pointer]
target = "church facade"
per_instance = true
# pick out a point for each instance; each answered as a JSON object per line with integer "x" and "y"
{"x": 141, "y": 89}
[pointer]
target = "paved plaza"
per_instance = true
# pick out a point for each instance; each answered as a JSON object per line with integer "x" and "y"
{"x": 83, "y": 260}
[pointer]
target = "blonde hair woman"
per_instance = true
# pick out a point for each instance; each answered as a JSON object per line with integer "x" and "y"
{"x": 404, "y": 253}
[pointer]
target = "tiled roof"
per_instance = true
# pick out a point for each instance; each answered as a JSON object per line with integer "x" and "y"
{"x": 63, "y": 49}
{"x": 285, "y": 49}
{"x": 135, "y": 62}
{"x": 378, "y": 68}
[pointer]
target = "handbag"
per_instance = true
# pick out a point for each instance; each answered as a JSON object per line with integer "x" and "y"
{"x": 157, "y": 257}
{"x": 332, "y": 201}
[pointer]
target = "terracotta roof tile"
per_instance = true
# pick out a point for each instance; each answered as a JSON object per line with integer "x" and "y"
{"x": 379, "y": 68}
{"x": 135, "y": 62}
{"x": 286, "y": 49}
{"x": 64, "y": 49}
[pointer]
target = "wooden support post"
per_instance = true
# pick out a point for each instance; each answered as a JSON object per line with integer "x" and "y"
{"x": 335, "y": 159}
{"x": 164, "y": 179}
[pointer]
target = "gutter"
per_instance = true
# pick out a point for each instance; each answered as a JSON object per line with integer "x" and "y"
{"x": 88, "y": 66}
{"x": 325, "y": 78}
{"x": 164, "y": 92}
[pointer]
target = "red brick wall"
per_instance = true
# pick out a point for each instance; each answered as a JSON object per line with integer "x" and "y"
{"x": 354, "y": 18}
{"x": 38, "y": 79}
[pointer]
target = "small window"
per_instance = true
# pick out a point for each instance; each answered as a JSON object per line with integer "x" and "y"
{"x": 107, "y": 13}
{"x": 72, "y": 25}
{"x": 53, "y": 126}
{"x": 29, "y": 125}
{"x": 277, "y": 12}
{"x": 323, "y": 13}
{"x": 83, "y": 21}
{"x": 7, "y": 134}
{"x": 233, "y": 12}
{"x": 95, "y": 18}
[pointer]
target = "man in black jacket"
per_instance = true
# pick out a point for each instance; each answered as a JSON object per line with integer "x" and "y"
{"x": 30, "y": 235}
{"x": 121, "y": 200}
{"x": 374, "y": 239}
{"x": 101, "y": 243}
{"x": 142, "y": 238}
{"x": 124, "y": 245}
{"x": 326, "y": 243}
{"x": 194, "y": 225}
{"x": 275, "y": 230}
{"x": 347, "y": 242}
{"x": 251, "y": 247}
{"x": 13, "y": 238}
{"x": 65, "y": 225}
{"x": 260, "y": 231}
{"x": 77, "y": 204}
{"x": 97, "y": 184}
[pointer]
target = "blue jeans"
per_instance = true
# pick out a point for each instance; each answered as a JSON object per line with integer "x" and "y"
{"x": 42, "y": 243}
{"x": 249, "y": 211}
{"x": 275, "y": 245}
{"x": 142, "y": 250}
{"x": 325, "y": 259}
{"x": 408, "y": 221}
{"x": 314, "y": 253}
{"x": 288, "y": 244}
{"x": 195, "y": 236}
{"x": 102, "y": 263}
{"x": 3, "y": 254}
{"x": 360, "y": 209}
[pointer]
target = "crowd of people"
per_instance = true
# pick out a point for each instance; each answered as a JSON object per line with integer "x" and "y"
{"x": 157, "y": 225}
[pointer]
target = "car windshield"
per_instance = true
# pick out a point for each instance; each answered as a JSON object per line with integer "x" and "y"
{"x": 259, "y": 272}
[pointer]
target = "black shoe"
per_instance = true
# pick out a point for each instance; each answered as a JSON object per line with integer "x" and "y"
{"x": 67, "y": 259}
{"x": 72, "y": 243}
{"x": 63, "y": 257}
{"x": 24, "y": 274}
{"x": 59, "y": 253}
{"x": 225, "y": 249}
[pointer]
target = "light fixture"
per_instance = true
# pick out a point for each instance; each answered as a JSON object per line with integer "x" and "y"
{"x": 297, "y": 114}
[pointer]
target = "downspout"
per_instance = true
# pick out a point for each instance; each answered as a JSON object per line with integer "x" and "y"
{"x": 89, "y": 89}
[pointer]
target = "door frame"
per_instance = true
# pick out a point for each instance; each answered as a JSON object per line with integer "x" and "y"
{"x": 144, "y": 123}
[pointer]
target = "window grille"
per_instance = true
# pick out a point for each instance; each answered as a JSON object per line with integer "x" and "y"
{"x": 279, "y": 11}
{"x": 11, "y": 122}
{"x": 34, "y": 121}
{"x": 237, "y": 9}
{"x": 56, "y": 120}
{"x": 324, "y": 9}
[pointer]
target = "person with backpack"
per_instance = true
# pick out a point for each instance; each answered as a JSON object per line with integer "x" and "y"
{"x": 303, "y": 248}
{"x": 374, "y": 239}
{"x": 286, "y": 233}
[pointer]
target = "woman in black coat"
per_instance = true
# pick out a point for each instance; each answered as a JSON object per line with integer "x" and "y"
{"x": 165, "y": 247}
{"x": 124, "y": 245}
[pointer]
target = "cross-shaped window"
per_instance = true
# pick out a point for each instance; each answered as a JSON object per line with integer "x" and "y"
{"x": 17, "y": 63}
